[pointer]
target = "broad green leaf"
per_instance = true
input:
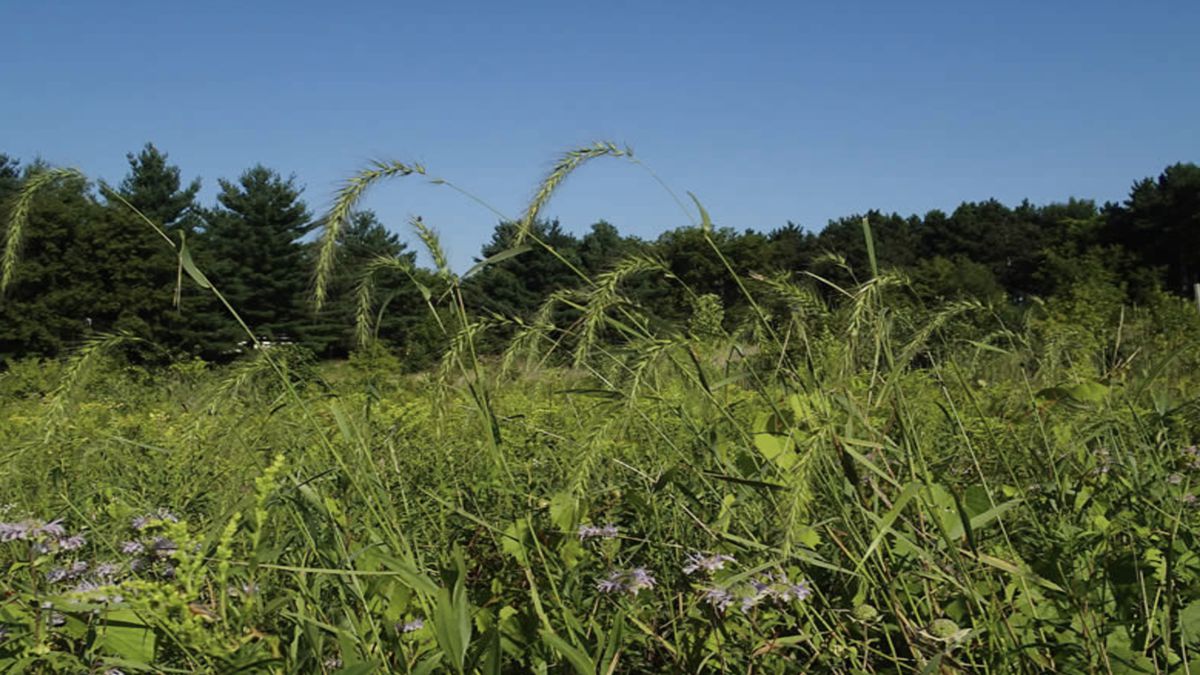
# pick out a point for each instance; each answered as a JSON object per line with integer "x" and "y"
{"x": 1189, "y": 624}
{"x": 706, "y": 223}
{"x": 499, "y": 257}
{"x": 885, "y": 525}
{"x": 189, "y": 266}
{"x": 124, "y": 635}
{"x": 579, "y": 660}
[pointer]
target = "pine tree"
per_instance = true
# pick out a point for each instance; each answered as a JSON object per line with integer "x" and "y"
{"x": 363, "y": 240}
{"x": 254, "y": 254}
{"x": 47, "y": 307}
{"x": 132, "y": 271}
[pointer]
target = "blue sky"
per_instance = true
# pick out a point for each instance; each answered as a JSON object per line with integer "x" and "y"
{"x": 769, "y": 111}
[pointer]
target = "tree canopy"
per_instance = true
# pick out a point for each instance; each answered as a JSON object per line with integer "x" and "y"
{"x": 90, "y": 264}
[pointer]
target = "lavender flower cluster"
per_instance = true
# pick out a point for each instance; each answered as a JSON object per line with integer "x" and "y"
{"x": 626, "y": 581}
{"x": 151, "y": 553}
{"x": 45, "y": 537}
{"x": 586, "y": 532}
{"x": 51, "y": 539}
{"x": 775, "y": 588}
{"x": 707, "y": 563}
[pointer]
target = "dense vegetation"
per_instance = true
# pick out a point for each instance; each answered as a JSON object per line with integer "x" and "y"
{"x": 948, "y": 443}
{"x": 91, "y": 266}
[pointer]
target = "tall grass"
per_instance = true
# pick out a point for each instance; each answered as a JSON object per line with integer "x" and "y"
{"x": 848, "y": 482}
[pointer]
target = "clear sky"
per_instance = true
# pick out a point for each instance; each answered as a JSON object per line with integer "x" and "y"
{"x": 769, "y": 111}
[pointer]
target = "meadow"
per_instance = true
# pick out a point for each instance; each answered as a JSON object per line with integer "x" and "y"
{"x": 849, "y": 480}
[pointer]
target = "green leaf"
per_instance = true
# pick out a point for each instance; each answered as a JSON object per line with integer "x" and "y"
{"x": 499, "y": 257}
{"x": 885, "y": 524}
{"x": 513, "y": 541}
{"x": 452, "y": 616}
{"x": 564, "y": 508}
{"x": 579, "y": 660}
{"x": 706, "y": 223}
{"x": 987, "y": 517}
{"x": 124, "y": 635}
{"x": 189, "y": 266}
{"x": 1189, "y": 624}
{"x": 1088, "y": 392}
{"x": 777, "y": 449}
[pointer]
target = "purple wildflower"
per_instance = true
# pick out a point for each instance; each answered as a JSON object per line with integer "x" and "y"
{"x": 114, "y": 671}
{"x": 796, "y": 591}
{"x": 707, "y": 563}
{"x": 107, "y": 571}
{"x": 54, "y": 529}
{"x": 777, "y": 587}
{"x": 162, "y": 515}
{"x": 72, "y": 543}
{"x": 245, "y": 589}
{"x": 592, "y": 532}
{"x": 410, "y": 626}
{"x": 630, "y": 581}
{"x": 85, "y": 586}
{"x": 15, "y": 531}
{"x": 614, "y": 583}
{"x": 56, "y": 575}
{"x": 133, "y": 548}
{"x": 1189, "y": 499}
{"x": 640, "y": 578}
{"x": 1175, "y": 478}
{"x": 720, "y": 598}
{"x": 164, "y": 547}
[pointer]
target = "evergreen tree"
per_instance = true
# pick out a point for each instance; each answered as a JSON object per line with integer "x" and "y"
{"x": 363, "y": 240}
{"x": 48, "y": 306}
{"x": 132, "y": 272}
{"x": 1160, "y": 222}
{"x": 601, "y": 248}
{"x": 10, "y": 178}
{"x": 518, "y": 286}
{"x": 253, "y": 253}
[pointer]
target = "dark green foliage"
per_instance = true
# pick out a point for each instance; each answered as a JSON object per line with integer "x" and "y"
{"x": 1160, "y": 222}
{"x": 518, "y": 286}
{"x": 401, "y": 317}
{"x": 91, "y": 264}
{"x": 927, "y": 468}
{"x": 49, "y": 307}
{"x": 252, "y": 246}
{"x": 131, "y": 271}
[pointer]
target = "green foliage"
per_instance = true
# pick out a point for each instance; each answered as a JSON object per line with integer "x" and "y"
{"x": 761, "y": 458}
{"x": 252, "y": 247}
{"x": 1160, "y": 222}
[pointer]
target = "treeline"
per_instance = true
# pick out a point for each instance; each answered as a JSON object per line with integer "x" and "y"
{"x": 90, "y": 264}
